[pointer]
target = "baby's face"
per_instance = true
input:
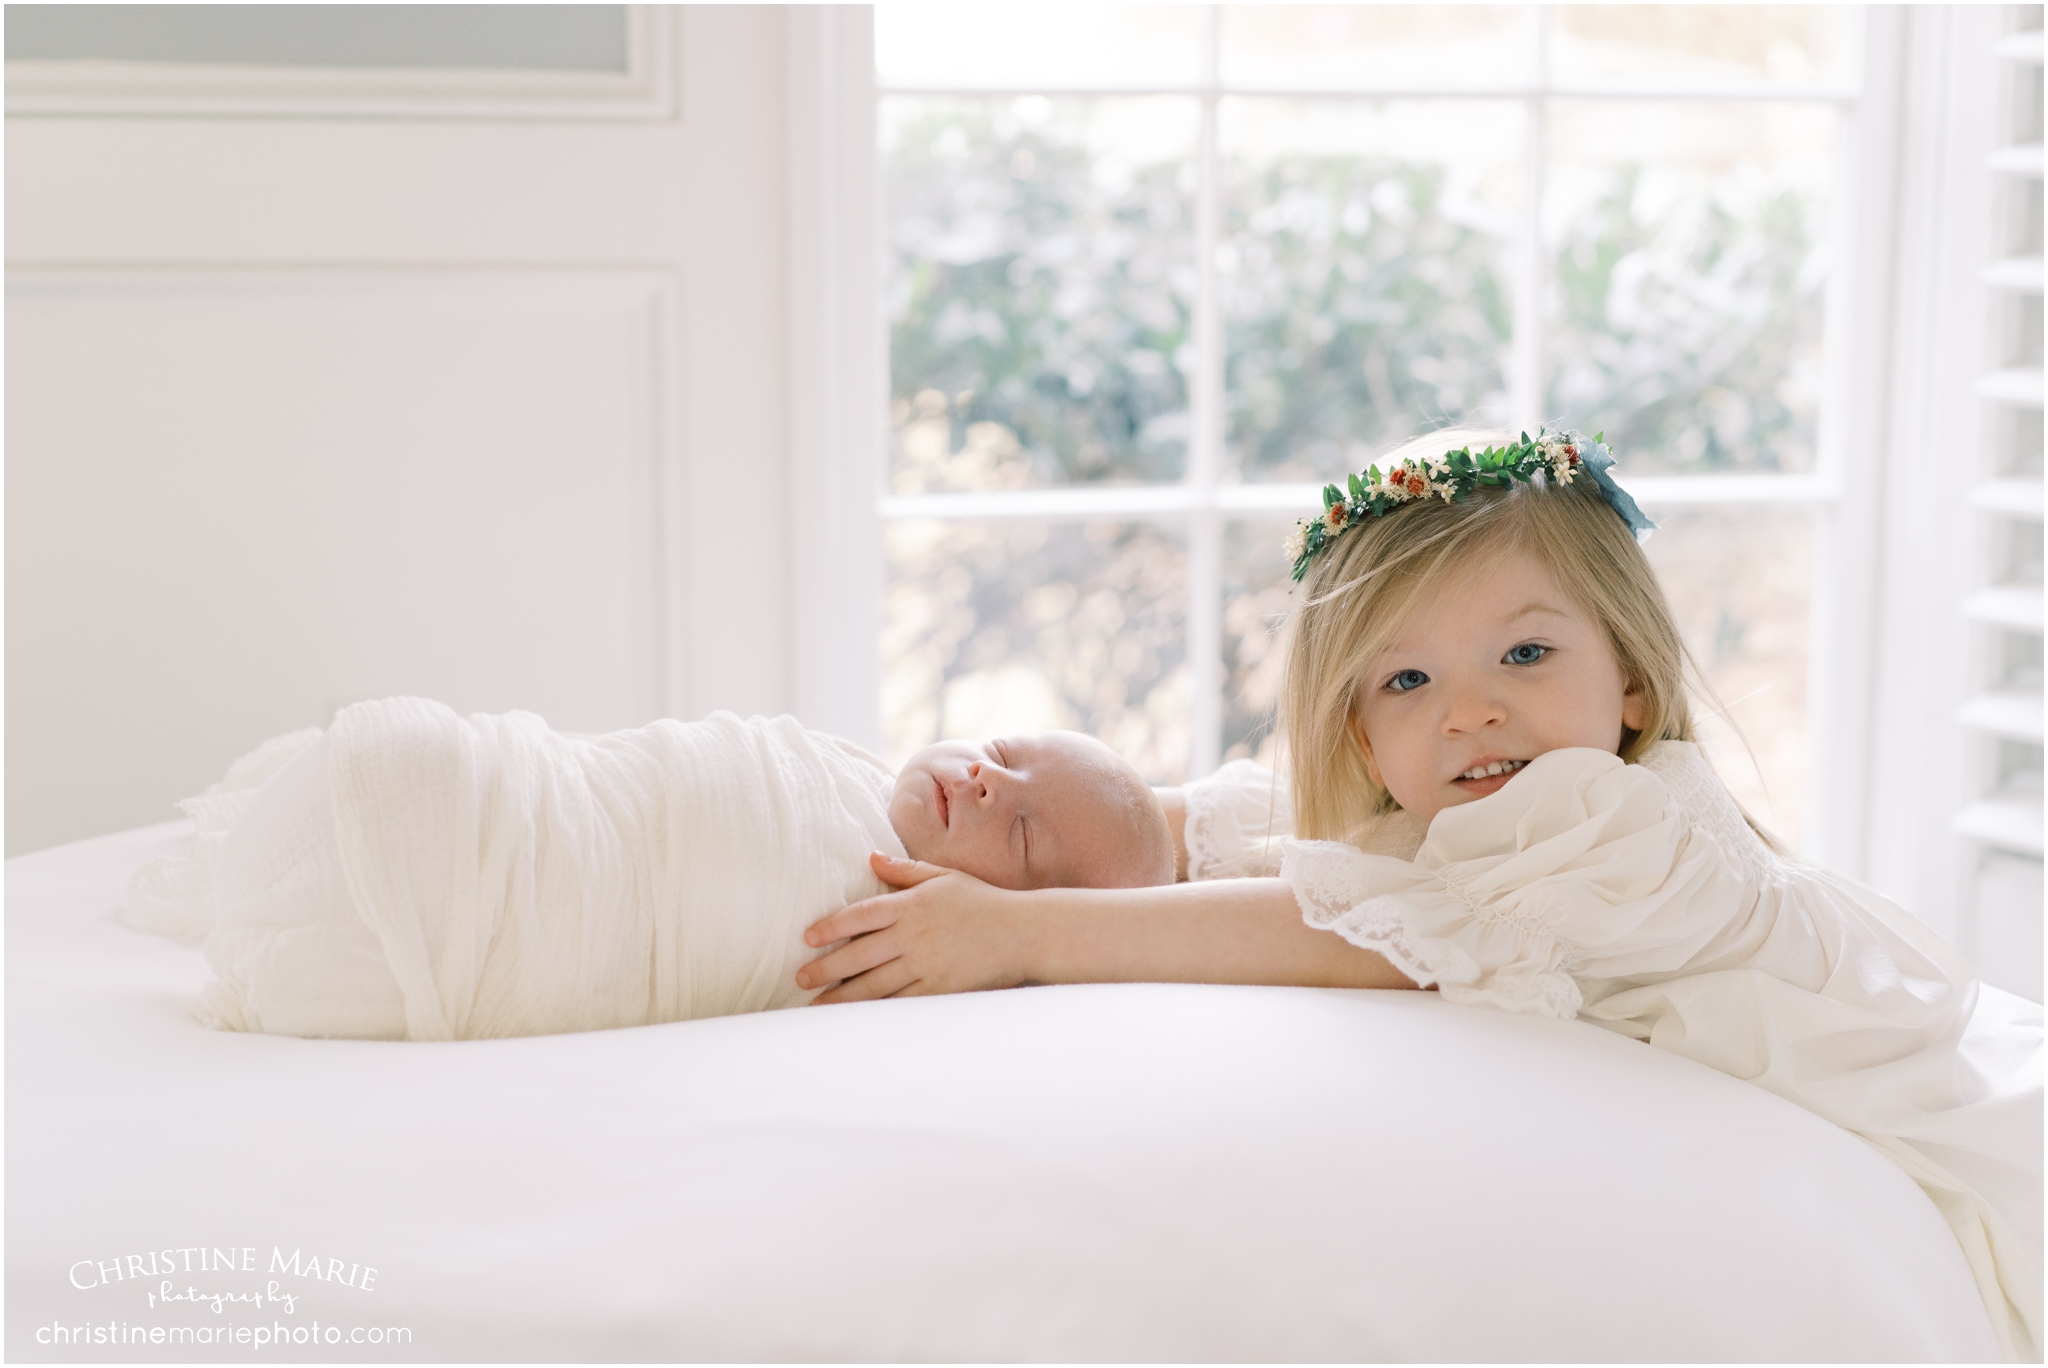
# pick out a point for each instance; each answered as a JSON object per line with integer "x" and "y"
{"x": 1493, "y": 669}
{"x": 1054, "y": 810}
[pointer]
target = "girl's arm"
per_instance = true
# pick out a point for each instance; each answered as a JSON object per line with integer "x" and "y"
{"x": 947, "y": 933}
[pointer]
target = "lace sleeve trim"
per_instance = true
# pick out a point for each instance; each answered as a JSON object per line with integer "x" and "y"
{"x": 1389, "y": 926}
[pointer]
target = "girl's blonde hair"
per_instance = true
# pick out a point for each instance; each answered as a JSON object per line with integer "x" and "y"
{"x": 1359, "y": 592}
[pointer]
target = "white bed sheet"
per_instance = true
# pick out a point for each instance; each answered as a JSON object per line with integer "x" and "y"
{"x": 1110, "y": 1172}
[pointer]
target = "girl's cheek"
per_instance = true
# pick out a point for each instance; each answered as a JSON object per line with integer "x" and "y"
{"x": 1372, "y": 766}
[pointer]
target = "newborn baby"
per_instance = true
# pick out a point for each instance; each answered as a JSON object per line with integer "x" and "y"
{"x": 412, "y": 874}
{"x": 1055, "y": 810}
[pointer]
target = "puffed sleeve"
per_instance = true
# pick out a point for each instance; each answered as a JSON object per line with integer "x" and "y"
{"x": 1238, "y": 819}
{"x": 1580, "y": 864}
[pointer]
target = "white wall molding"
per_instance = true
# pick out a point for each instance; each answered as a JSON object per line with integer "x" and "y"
{"x": 238, "y": 499}
{"x": 673, "y": 235}
{"x": 108, "y": 89}
{"x": 838, "y": 377}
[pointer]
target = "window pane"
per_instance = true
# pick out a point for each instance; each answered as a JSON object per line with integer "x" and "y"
{"x": 1040, "y": 291}
{"x": 1364, "y": 275}
{"x": 995, "y": 628}
{"x": 1739, "y": 584}
{"x": 1342, "y": 47}
{"x": 955, "y": 46}
{"x": 1257, "y": 595}
{"x": 1689, "y": 256}
{"x": 1741, "y": 44}
{"x": 531, "y": 37}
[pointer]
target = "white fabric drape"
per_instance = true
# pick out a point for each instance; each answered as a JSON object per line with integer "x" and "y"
{"x": 410, "y": 873}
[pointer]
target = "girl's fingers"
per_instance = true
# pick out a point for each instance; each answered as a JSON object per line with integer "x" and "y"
{"x": 887, "y": 981}
{"x": 854, "y": 919}
{"x": 848, "y": 961}
{"x": 903, "y": 873}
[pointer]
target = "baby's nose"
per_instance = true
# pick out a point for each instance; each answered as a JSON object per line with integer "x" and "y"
{"x": 985, "y": 781}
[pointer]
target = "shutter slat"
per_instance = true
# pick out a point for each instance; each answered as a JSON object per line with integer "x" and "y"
{"x": 2006, "y": 824}
{"x": 2017, "y": 715}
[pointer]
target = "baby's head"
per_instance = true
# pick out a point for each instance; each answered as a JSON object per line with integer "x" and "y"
{"x": 1051, "y": 810}
{"x": 1439, "y": 647}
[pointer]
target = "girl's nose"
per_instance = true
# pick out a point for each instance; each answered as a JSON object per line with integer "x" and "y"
{"x": 1472, "y": 709}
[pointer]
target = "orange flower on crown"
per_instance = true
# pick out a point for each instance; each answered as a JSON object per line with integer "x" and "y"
{"x": 1334, "y": 519}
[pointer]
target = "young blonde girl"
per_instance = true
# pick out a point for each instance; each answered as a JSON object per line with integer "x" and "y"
{"x": 1498, "y": 795}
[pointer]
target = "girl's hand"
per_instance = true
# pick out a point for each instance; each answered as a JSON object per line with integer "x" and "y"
{"x": 945, "y": 932}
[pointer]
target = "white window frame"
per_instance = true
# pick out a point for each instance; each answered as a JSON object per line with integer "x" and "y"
{"x": 836, "y": 238}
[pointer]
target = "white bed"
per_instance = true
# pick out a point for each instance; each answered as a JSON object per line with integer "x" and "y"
{"x": 1118, "y": 1172}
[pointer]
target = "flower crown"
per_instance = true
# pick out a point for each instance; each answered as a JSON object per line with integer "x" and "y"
{"x": 1560, "y": 457}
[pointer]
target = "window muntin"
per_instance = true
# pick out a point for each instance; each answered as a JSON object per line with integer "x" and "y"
{"x": 1371, "y": 47}
{"x": 936, "y": 44}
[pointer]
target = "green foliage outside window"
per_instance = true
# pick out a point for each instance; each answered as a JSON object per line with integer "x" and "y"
{"x": 1042, "y": 288}
{"x": 1041, "y": 285}
{"x": 1359, "y": 309}
{"x": 1688, "y": 324}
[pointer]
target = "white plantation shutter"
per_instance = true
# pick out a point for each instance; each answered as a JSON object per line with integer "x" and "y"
{"x": 2000, "y": 818}
{"x": 1955, "y": 817}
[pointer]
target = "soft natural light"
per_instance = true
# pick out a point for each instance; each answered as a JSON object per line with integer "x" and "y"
{"x": 1144, "y": 259}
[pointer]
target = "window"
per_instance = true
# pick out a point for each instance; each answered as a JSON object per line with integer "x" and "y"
{"x": 1154, "y": 274}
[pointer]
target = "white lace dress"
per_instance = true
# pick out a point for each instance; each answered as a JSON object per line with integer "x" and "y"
{"x": 1636, "y": 897}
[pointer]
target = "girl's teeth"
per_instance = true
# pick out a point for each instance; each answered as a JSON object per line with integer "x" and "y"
{"x": 1497, "y": 767}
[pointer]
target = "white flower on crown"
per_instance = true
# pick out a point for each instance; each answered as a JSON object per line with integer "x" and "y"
{"x": 1562, "y": 456}
{"x": 1437, "y": 470}
{"x": 1297, "y": 541}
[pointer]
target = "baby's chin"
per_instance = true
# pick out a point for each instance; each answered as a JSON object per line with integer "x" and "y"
{"x": 916, "y": 849}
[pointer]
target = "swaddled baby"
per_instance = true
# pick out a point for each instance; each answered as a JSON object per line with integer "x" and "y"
{"x": 410, "y": 873}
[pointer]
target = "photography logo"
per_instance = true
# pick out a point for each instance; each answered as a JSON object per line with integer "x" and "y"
{"x": 211, "y": 1295}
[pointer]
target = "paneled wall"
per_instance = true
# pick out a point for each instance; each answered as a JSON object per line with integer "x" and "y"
{"x": 475, "y": 390}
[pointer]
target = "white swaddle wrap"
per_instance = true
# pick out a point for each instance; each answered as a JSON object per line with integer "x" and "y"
{"x": 410, "y": 873}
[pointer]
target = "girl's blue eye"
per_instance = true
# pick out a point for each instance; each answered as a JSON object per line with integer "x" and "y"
{"x": 1406, "y": 680}
{"x": 1528, "y": 653}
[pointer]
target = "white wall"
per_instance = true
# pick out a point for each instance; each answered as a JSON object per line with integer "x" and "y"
{"x": 301, "y": 410}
